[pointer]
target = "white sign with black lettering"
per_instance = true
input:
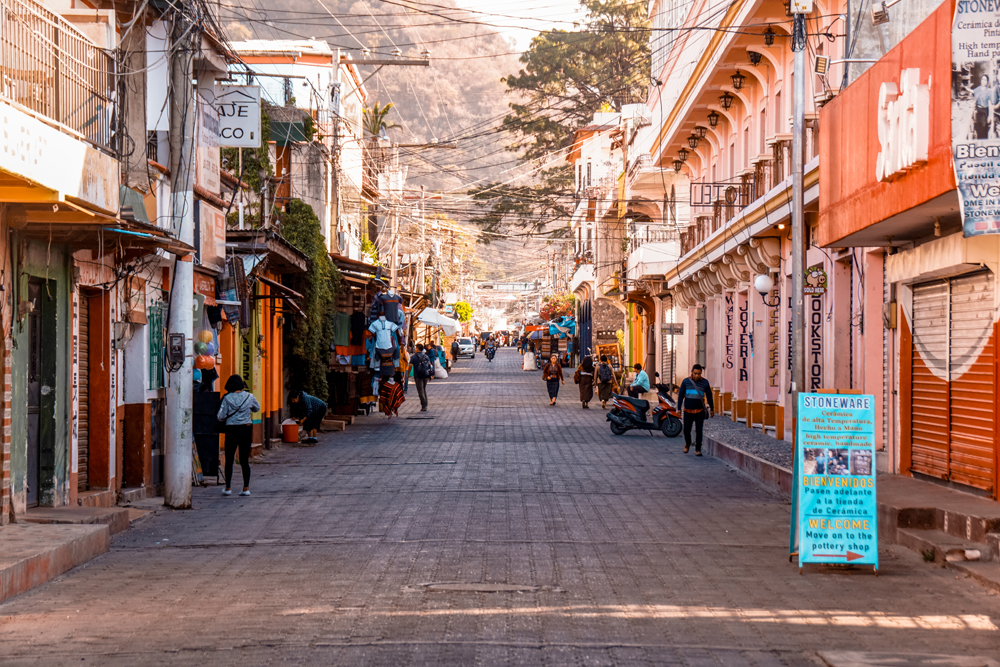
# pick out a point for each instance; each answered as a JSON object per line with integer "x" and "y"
{"x": 239, "y": 115}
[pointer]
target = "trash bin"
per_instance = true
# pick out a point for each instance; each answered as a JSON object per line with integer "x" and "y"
{"x": 289, "y": 431}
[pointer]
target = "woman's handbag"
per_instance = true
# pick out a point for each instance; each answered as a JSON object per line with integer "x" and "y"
{"x": 576, "y": 376}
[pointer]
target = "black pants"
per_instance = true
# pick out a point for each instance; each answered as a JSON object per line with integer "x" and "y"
{"x": 421, "y": 391}
{"x": 698, "y": 419}
{"x": 238, "y": 436}
{"x": 635, "y": 392}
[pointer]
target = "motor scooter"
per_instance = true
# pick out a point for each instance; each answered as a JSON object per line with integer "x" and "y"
{"x": 630, "y": 413}
{"x": 490, "y": 352}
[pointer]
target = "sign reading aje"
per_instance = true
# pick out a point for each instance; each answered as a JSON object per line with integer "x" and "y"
{"x": 835, "y": 479}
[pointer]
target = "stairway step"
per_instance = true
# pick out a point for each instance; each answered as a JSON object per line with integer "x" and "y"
{"x": 987, "y": 574}
{"x": 115, "y": 518}
{"x": 940, "y": 547}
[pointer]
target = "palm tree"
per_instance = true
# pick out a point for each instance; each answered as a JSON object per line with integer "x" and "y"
{"x": 375, "y": 119}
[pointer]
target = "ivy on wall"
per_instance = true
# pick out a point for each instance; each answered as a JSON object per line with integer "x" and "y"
{"x": 310, "y": 338}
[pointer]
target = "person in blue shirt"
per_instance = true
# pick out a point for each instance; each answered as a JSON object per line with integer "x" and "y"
{"x": 640, "y": 385}
{"x": 312, "y": 411}
{"x": 695, "y": 399}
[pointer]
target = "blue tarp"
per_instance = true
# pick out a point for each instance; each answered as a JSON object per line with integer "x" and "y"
{"x": 562, "y": 327}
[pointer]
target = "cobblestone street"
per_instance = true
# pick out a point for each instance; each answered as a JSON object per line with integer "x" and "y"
{"x": 491, "y": 530}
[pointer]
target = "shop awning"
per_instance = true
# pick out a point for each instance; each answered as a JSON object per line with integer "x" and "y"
{"x": 433, "y": 318}
{"x": 282, "y": 256}
{"x": 286, "y": 293}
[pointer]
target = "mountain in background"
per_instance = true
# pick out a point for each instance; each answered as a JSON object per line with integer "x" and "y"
{"x": 459, "y": 98}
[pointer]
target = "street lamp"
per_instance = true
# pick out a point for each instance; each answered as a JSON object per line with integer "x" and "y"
{"x": 726, "y": 100}
{"x": 754, "y": 57}
{"x": 713, "y": 118}
{"x": 764, "y": 284}
{"x": 738, "y": 80}
{"x": 701, "y": 131}
{"x": 693, "y": 141}
{"x": 769, "y": 36}
{"x": 682, "y": 154}
{"x": 678, "y": 164}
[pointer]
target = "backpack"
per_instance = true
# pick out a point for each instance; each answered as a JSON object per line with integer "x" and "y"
{"x": 423, "y": 369}
{"x": 605, "y": 374}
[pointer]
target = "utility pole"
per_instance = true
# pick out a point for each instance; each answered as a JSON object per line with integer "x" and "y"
{"x": 177, "y": 410}
{"x": 800, "y": 9}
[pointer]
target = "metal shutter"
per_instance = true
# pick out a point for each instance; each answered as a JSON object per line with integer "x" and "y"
{"x": 971, "y": 372}
{"x": 929, "y": 387}
{"x": 83, "y": 424}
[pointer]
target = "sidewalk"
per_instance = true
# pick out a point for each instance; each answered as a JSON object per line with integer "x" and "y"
{"x": 948, "y": 527}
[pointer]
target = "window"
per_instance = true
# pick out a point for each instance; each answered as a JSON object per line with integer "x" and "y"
{"x": 589, "y": 170}
{"x": 732, "y": 159}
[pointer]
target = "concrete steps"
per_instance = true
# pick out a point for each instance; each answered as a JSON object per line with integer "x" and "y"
{"x": 32, "y": 554}
{"x": 115, "y": 518}
{"x": 939, "y": 547}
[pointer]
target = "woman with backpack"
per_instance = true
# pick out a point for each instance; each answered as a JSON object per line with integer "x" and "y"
{"x": 585, "y": 378}
{"x": 605, "y": 381}
{"x": 236, "y": 412}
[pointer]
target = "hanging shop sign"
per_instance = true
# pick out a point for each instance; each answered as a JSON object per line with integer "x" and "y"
{"x": 238, "y": 109}
{"x": 729, "y": 331}
{"x": 815, "y": 280}
{"x": 975, "y": 126}
{"x": 746, "y": 339}
{"x": 773, "y": 340}
{"x": 814, "y": 358}
{"x": 836, "y": 517}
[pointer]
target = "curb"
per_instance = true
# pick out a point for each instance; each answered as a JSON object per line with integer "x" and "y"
{"x": 770, "y": 475}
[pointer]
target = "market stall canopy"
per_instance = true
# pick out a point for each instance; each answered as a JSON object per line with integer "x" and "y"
{"x": 562, "y": 327}
{"x": 433, "y": 318}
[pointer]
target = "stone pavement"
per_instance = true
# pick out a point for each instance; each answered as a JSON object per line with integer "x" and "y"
{"x": 492, "y": 530}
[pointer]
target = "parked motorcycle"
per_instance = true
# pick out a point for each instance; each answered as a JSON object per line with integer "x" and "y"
{"x": 630, "y": 413}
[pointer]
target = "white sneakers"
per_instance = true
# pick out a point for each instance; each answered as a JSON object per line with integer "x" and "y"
{"x": 245, "y": 493}
{"x": 227, "y": 492}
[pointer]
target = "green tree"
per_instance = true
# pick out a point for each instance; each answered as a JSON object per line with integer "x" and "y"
{"x": 374, "y": 119}
{"x": 567, "y": 76}
{"x": 464, "y": 311}
{"x": 310, "y": 337}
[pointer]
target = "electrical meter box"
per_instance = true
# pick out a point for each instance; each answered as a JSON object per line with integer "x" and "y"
{"x": 801, "y": 6}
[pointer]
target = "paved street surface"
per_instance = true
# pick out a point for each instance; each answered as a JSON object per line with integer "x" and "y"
{"x": 491, "y": 530}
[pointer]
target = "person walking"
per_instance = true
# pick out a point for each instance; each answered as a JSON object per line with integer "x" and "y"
{"x": 312, "y": 410}
{"x": 553, "y": 376}
{"x": 528, "y": 361}
{"x": 585, "y": 373}
{"x": 423, "y": 371}
{"x": 695, "y": 397}
{"x": 407, "y": 367}
{"x": 640, "y": 385}
{"x": 236, "y": 412}
{"x": 455, "y": 349}
{"x": 605, "y": 381}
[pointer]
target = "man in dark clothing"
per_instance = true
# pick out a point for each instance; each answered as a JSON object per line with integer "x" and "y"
{"x": 695, "y": 398}
{"x": 313, "y": 411}
{"x": 455, "y": 349}
{"x": 420, "y": 363}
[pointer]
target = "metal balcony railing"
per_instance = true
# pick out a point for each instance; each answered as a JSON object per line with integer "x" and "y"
{"x": 652, "y": 234}
{"x": 49, "y": 67}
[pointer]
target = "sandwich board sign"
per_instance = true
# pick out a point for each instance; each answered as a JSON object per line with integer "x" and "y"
{"x": 835, "y": 479}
